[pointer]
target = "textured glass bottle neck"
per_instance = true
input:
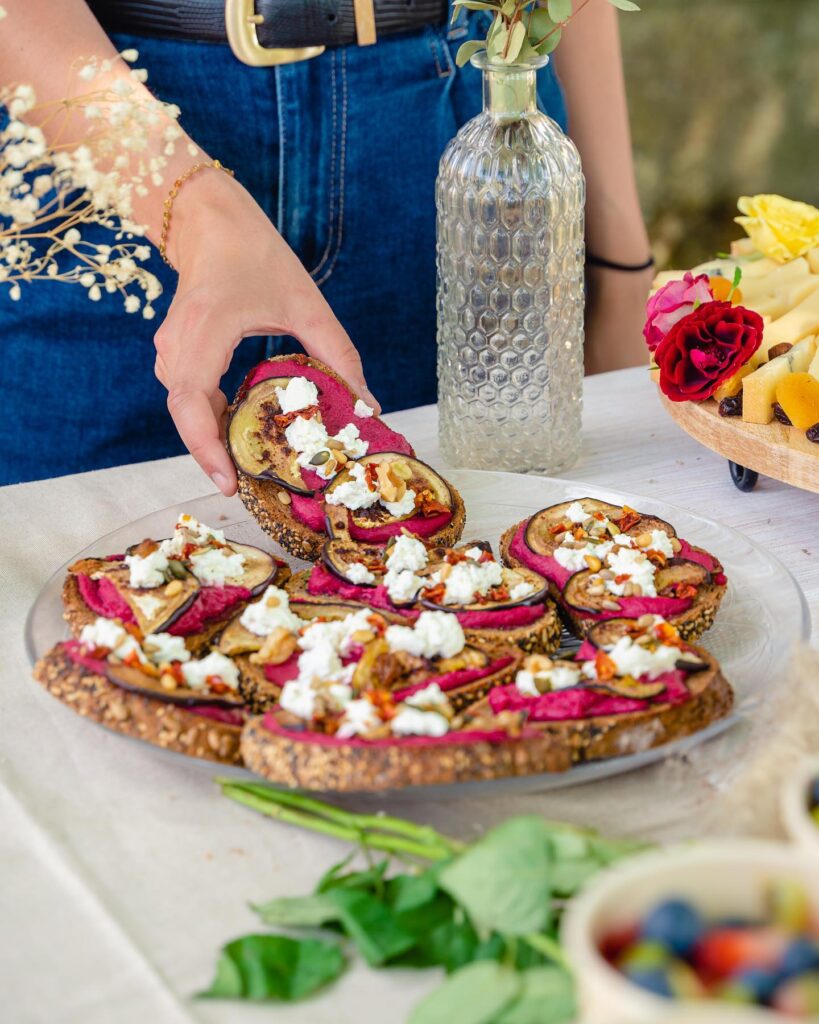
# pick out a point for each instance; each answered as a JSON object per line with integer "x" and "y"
{"x": 509, "y": 93}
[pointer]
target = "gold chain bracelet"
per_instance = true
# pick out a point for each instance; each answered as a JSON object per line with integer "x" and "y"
{"x": 174, "y": 192}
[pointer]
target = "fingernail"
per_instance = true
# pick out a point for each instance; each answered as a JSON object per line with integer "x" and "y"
{"x": 220, "y": 480}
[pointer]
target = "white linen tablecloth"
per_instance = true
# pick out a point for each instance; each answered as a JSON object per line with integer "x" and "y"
{"x": 124, "y": 870}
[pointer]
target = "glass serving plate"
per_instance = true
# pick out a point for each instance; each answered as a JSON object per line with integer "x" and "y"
{"x": 762, "y": 616}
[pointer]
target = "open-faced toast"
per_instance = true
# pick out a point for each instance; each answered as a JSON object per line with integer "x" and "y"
{"x": 179, "y": 585}
{"x": 313, "y": 461}
{"x": 555, "y": 715}
{"x": 605, "y": 561}
{"x": 496, "y": 606}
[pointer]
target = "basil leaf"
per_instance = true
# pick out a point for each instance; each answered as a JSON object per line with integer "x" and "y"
{"x": 298, "y": 911}
{"x": 407, "y": 892}
{"x": 546, "y": 997}
{"x": 371, "y": 926}
{"x": 260, "y": 967}
{"x": 559, "y": 10}
{"x": 504, "y": 880}
{"x": 476, "y": 994}
{"x": 369, "y": 878}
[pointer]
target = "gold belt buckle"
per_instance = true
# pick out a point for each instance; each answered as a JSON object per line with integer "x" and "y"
{"x": 241, "y": 20}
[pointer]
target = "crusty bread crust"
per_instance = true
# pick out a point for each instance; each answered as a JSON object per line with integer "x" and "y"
{"x": 275, "y": 516}
{"x": 77, "y": 613}
{"x": 539, "y": 637}
{"x": 691, "y": 624}
{"x": 548, "y": 747}
{"x": 256, "y": 690}
{"x": 162, "y": 724}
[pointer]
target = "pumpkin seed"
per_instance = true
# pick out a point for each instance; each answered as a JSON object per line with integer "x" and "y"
{"x": 320, "y": 458}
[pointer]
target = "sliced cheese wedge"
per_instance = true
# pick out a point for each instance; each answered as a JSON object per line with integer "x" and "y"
{"x": 759, "y": 387}
{"x": 785, "y": 299}
{"x": 813, "y": 369}
{"x": 796, "y": 324}
{"x": 812, "y": 256}
{"x": 767, "y": 284}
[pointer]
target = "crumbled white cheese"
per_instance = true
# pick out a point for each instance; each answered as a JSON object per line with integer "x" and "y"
{"x": 402, "y": 586}
{"x": 558, "y": 677}
{"x": 298, "y": 698}
{"x": 575, "y": 513}
{"x": 358, "y": 573}
{"x": 362, "y": 409}
{"x": 525, "y": 683}
{"x": 434, "y": 634}
{"x": 300, "y": 393}
{"x": 407, "y": 553}
{"x": 404, "y": 507}
{"x": 215, "y": 566}
{"x": 636, "y": 660}
{"x": 574, "y": 559}
{"x": 410, "y": 721}
{"x": 110, "y": 634}
{"x": 359, "y": 717}
{"x": 335, "y": 634}
{"x": 350, "y": 437}
{"x": 660, "y": 541}
{"x": 147, "y": 572}
{"x": 320, "y": 664}
{"x": 521, "y": 590}
{"x": 307, "y": 436}
{"x": 634, "y": 564}
{"x": 197, "y": 673}
{"x": 190, "y": 531}
{"x": 561, "y": 677}
{"x": 262, "y": 617}
{"x": 468, "y": 580}
{"x": 431, "y": 696}
{"x": 475, "y": 553}
{"x": 163, "y": 648}
{"x": 353, "y": 493}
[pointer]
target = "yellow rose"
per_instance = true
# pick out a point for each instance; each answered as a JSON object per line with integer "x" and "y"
{"x": 780, "y": 228}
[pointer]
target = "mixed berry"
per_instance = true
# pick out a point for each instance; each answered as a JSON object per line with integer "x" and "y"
{"x": 679, "y": 953}
{"x": 813, "y": 799}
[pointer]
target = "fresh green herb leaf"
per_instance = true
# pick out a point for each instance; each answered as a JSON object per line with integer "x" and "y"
{"x": 261, "y": 967}
{"x": 476, "y": 994}
{"x": 517, "y": 37}
{"x": 737, "y": 278}
{"x": 625, "y": 5}
{"x": 369, "y": 878}
{"x": 540, "y": 24}
{"x": 467, "y": 50}
{"x": 546, "y": 997}
{"x": 508, "y": 8}
{"x": 724, "y": 256}
{"x": 298, "y": 911}
{"x": 371, "y": 926}
{"x": 504, "y": 880}
{"x": 559, "y": 10}
{"x": 550, "y": 43}
{"x": 408, "y": 892}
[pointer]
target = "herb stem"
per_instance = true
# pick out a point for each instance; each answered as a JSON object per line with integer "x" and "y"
{"x": 549, "y": 947}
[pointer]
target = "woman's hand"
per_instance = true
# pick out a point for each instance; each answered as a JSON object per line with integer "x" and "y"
{"x": 237, "y": 278}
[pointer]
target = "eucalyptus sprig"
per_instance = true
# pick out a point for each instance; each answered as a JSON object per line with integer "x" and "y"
{"x": 523, "y": 29}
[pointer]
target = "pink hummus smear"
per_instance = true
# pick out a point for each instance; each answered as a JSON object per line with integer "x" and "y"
{"x": 224, "y": 715}
{"x": 578, "y": 703}
{"x": 310, "y": 512}
{"x": 323, "y": 582}
{"x": 209, "y": 605}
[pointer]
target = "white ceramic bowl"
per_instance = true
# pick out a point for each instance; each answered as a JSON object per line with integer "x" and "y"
{"x": 799, "y": 824}
{"x": 722, "y": 878}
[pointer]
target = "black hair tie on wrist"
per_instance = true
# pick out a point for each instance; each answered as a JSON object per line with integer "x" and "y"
{"x": 627, "y": 268}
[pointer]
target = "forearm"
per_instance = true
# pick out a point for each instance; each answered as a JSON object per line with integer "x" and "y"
{"x": 589, "y": 62}
{"x": 45, "y": 44}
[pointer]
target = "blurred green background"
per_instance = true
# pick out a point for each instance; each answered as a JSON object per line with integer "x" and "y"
{"x": 724, "y": 101}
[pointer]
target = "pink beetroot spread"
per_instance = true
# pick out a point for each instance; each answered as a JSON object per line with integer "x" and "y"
{"x": 324, "y": 582}
{"x": 273, "y": 726}
{"x": 630, "y": 607}
{"x": 310, "y": 512}
{"x": 454, "y": 680}
{"x": 209, "y": 605}
{"x": 281, "y": 674}
{"x": 579, "y": 702}
{"x": 226, "y": 716}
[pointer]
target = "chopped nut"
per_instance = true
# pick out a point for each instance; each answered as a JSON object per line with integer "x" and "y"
{"x": 445, "y": 571}
{"x": 537, "y": 664}
{"x": 284, "y": 497}
{"x": 362, "y": 636}
{"x": 596, "y": 589}
{"x": 336, "y": 446}
{"x": 676, "y": 546}
{"x": 173, "y": 588}
{"x": 276, "y": 649}
{"x": 593, "y": 562}
{"x": 606, "y": 574}
{"x": 272, "y": 601}
{"x": 341, "y": 458}
{"x": 643, "y": 540}
{"x": 167, "y": 681}
{"x": 401, "y": 470}
{"x": 611, "y": 606}
{"x": 645, "y": 621}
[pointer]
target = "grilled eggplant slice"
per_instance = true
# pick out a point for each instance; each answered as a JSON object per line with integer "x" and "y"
{"x": 340, "y": 553}
{"x": 149, "y": 686}
{"x": 421, "y": 478}
{"x": 628, "y": 686}
{"x": 679, "y": 572}
{"x": 511, "y": 577}
{"x": 259, "y": 570}
{"x": 154, "y": 610}
{"x": 256, "y": 441}
{"x": 537, "y": 535}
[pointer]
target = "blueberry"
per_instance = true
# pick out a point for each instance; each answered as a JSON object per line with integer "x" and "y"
{"x": 653, "y": 979}
{"x": 759, "y": 982}
{"x": 675, "y": 924}
{"x": 801, "y": 955}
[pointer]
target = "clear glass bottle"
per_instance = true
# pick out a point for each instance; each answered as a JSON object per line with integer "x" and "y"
{"x": 510, "y": 196}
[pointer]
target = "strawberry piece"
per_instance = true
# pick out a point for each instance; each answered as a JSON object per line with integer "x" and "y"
{"x": 724, "y": 951}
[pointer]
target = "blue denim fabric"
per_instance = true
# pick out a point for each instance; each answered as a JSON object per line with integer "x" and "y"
{"x": 341, "y": 152}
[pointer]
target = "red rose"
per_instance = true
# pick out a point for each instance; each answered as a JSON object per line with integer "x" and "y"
{"x": 705, "y": 348}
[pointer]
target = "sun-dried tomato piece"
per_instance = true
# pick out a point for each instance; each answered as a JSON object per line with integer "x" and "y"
{"x": 604, "y": 666}
{"x": 628, "y": 519}
{"x": 284, "y": 419}
{"x": 622, "y": 578}
{"x": 559, "y": 528}
{"x": 453, "y": 557}
{"x": 378, "y": 623}
{"x": 435, "y": 593}
{"x": 656, "y": 557}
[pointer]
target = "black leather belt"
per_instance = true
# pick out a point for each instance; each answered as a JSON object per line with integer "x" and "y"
{"x": 291, "y": 24}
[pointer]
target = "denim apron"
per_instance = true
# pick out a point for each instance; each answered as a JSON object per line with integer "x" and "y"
{"x": 341, "y": 152}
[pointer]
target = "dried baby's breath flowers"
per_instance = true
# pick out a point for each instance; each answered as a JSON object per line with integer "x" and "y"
{"x": 66, "y": 210}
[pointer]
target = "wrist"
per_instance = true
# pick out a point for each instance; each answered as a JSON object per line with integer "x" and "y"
{"x": 203, "y": 202}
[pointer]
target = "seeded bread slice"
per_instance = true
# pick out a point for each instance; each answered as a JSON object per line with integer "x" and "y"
{"x": 154, "y": 721}
{"x": 691, "y": 623}
{"x": 77, "y": 613}
{"x": 271, "y": 505}
{"x": 291, "y": 760}
{"x": 540, "y": 636}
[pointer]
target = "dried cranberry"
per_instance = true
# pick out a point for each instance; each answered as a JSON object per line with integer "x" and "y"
{"x": 731, "y": 406}
{"x": 781, "y": 415}
{"x": 812, "y": 433}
